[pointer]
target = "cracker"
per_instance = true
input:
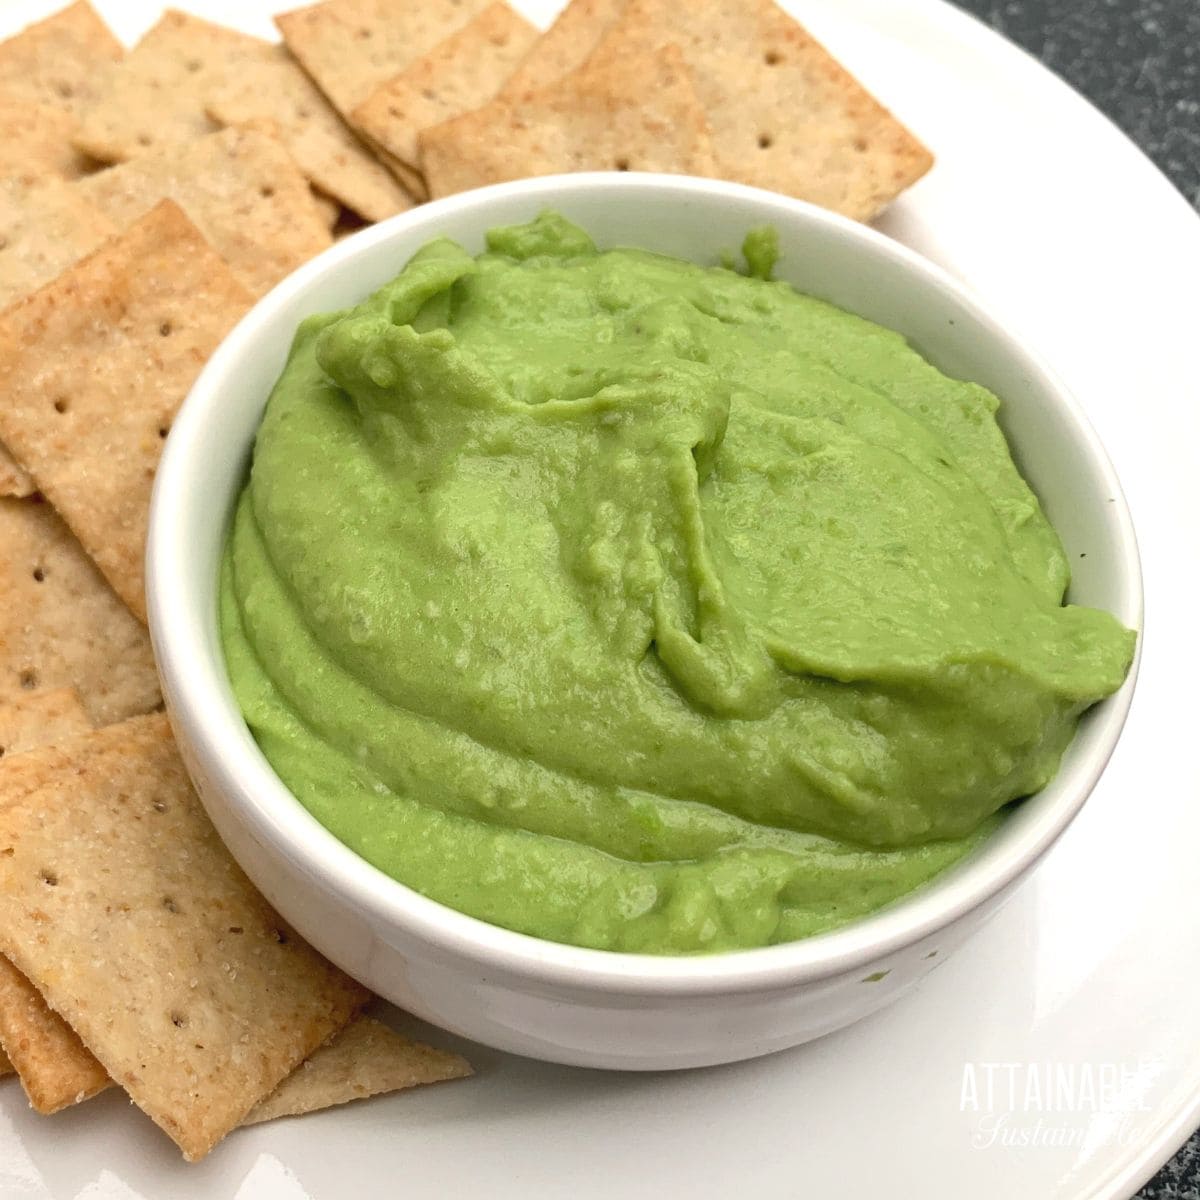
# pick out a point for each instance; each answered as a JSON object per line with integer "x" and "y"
{"x": 352, "y": 47}
{"x": 365, "y": 1059}
{"x": 784, "y": 113}
{"x": 156, "y": 96}
{"x": 59, "y": 61}
{"x": 55, "y": 1067}
{"x": 240, "y": 188}
{"x": 37, "y": 142}
{"x": 173, "y": 970}
{"x": 93, "y": 368}
{"x": 565, "y": 45}
{"x": 62, "y": 625}
{"x": 45, "y": 226}
{"x": 437, "y": 86}
{"x": 326, "y": 150}
{"x": 639, "y": 114}
{"x": 39, "y": 718}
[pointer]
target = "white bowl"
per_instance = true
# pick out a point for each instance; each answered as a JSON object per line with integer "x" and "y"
{"x": 518, "y": 993}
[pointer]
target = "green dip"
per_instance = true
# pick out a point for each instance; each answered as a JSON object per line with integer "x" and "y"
{"x": 639, "y": 605}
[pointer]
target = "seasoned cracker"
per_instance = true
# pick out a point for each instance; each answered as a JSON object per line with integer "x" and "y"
{"x": 37, "y": 142}
{"x": 565, "y": 46}
{"x": 784, "y": 113}
{"x": 365, "y": 1059}
{"x": 352, "y": 47}
{"x": 641, "y": 114}
{"x": 437, "y": 86}
{"x": 55, "y": 1068}
{"x": 173, "y": 970}
{"x": 273, "y": 88}
{"x": 59, "y": 61}
{"x": 93, "y": 368}
{"x": 45, "y": 226}
{"x": 239, "y": 187}
{"x": 39, "y": 718}
{"x": 62, "y": 625}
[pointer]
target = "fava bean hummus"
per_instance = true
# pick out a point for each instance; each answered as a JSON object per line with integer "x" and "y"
{"x": 645, "y": 606}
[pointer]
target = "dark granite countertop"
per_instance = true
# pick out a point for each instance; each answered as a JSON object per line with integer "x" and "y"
{"x": 1138, "y": 61}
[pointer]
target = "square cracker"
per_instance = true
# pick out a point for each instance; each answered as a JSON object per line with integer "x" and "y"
{"x": 639, "y": 114}
{"x": 785, "y": 115}
{"x": 37, "y": 142}
{"x": 59, "y": 61}
{"x": 241, "y": 189}
{"x": 436, "y": 87}
{"x": 55, "y": 1067}
{"x": 351, "y": 47}
{"x": 62, "y": 625}
{"x": 365, "y": 1059}
{"x": 323, "y": 146}
{"x": 45, "y": 226}
{"x": 93, "y": 367}
{"x": 120, "y": 902}
{"x": 565, "y": 45}
{"x": 39, "y": 718}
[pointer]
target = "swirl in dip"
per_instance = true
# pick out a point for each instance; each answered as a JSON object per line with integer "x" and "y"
{"x": 645, "y": 606}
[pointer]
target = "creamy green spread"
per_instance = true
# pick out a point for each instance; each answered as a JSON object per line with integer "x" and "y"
{"x": 646, "y": 606}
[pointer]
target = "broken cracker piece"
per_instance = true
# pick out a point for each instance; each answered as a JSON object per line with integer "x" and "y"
{"x": 62, "y": 625}
{"x": 365, "y": 1059}
{"x": 784, "y": 114}
{"x": 173, "y": 970}
{"x": 61, "y": 60}
{"x": 93, "y": 367}
{"x": 240, "y": 188}
{"x": 641, "y": 114}
{"x": 55, "y": 1068}
{"x": 437, "y": 86}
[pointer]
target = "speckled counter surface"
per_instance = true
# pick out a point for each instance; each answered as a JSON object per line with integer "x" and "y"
{"x": 1138, "y": 61}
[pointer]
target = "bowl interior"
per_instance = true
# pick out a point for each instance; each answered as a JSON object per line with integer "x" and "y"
{"x": 206, "y": 458}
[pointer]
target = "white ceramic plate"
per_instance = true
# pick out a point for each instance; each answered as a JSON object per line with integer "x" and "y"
{"x": 1079, "y": 1000}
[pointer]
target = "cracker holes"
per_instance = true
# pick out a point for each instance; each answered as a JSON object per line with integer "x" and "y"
{"x": 28, "y": 679}
{"x": 165, "y": 329}
{"x": 179, "y": 1020}
{"x": 622, "y": 164}
{"x": 765, "y": 141}
{"x": 236, "y": 929}
{"x": 49, "y": 878}
{"x": 193, "y": 65}
{"x": 163, "y": 430}
{"x": 64, "y": 89}
{"x": 860, "y": 144}
{"x": 772, "y": 58}
{"x": 3, "y": 241}
{"x": 363, "y": 35}
{"x": 159, "y": 806}
{"x": 279, "y": 936}
{"x": 1, "y": 751}
{"x": 39, "y": 576}
{"x": 169, "y": 904}
{"x": 266, "y": 191}
{"x": 144, "y": 139}
{"x": 61, "y": 404}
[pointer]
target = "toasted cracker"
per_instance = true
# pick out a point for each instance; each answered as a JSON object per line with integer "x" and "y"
{"x": 240, "y": 188}
{"x": 365, "y": 1059}
{"x": 37, "y": 142}
{"x": 565, "y": 46}
{"x": 784, "y": 113}
{"x": 39, "y": 718}
{"x": 93, "y": 368}
{"x": 45, "y": 226}
{"x": 59, "y": 61}
{"x": 62, "y": 625}
{"x": 174, "y": 971}
{"x": 438, "y": 85}
{"x": 156, "y": 96}
{"x": 352, "y": 47}
{"x": 55, "y": 1067}
{"x": 325, "y": 149}
{"x": 595, "y": 119}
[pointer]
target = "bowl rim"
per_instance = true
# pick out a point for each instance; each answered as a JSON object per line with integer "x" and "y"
{"x": 207, "y": 719}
